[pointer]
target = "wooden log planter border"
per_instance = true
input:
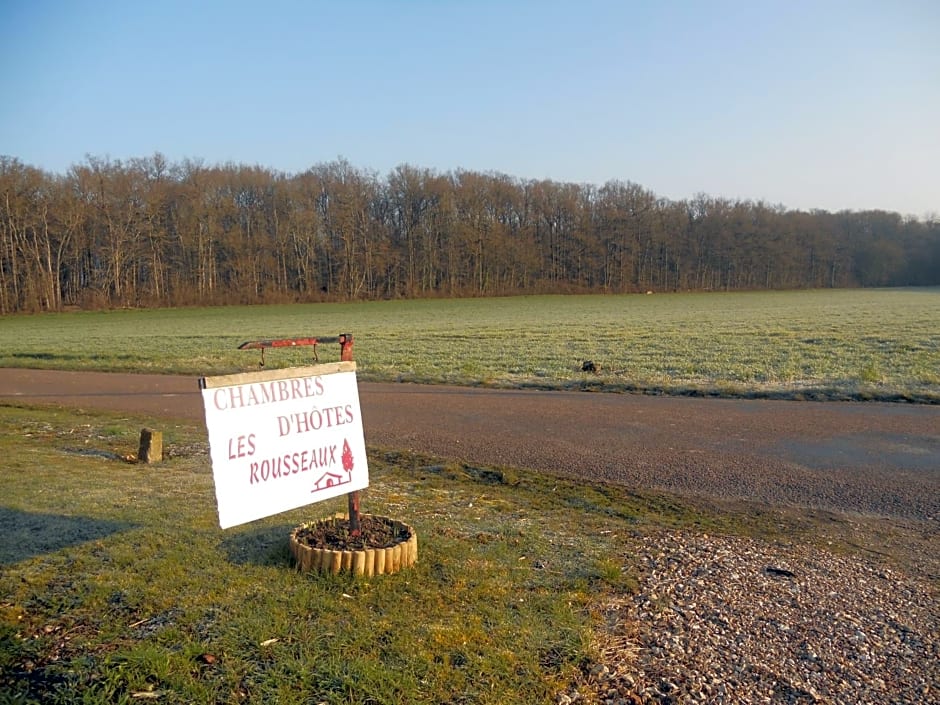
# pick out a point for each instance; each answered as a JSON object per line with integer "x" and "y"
{"x": 366, "y": 562}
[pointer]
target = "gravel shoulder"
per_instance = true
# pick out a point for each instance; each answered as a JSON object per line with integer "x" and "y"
{"x": 720, "y": 619}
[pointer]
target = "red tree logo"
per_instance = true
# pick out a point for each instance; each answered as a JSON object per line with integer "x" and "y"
{"x": 347, "y": 457}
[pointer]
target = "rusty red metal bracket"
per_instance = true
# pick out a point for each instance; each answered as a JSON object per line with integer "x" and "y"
{"x": 262, "y": 345}
{"x": 345, "y": 341}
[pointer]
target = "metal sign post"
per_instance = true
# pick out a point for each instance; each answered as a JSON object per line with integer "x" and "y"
{"x": 346, "y": 355}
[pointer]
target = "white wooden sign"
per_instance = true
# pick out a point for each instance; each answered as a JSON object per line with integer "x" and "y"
{"x": 282, "y": 439}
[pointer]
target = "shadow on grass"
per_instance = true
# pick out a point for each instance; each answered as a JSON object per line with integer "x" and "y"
{"x": 26, "y": 535}
{"x": 263, "y": 545}
{"x": 48, "y": 356}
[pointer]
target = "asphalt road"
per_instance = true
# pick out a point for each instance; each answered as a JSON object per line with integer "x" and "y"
{"x": 872, "y": 458}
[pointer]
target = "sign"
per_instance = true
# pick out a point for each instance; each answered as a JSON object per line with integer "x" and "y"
{"x": 282, "y": 439}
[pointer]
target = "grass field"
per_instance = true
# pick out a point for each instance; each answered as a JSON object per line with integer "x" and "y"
{"x": 116, "y": 584}
{"x": 851, "y": 344}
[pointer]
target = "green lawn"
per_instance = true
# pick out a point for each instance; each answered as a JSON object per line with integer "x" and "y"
{"x": 855, "y": 344}
{"x": 116, "y": 584}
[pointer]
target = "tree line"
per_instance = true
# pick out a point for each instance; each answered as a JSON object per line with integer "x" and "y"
{"x": 147, "y": 232}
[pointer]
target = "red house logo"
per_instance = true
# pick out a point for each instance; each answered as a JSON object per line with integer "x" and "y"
{"x": 332, "y": 479}
{"x": 328, "y": 479}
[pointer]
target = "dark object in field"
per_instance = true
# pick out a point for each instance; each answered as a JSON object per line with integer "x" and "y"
{"x": 589, "y": 366}
{"x": 780, "y": 572}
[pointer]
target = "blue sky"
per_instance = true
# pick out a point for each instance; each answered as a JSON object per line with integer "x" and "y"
{"x": 826, "y": 104}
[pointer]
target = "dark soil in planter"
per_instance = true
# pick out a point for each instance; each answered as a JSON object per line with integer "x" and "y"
{"x": 333, "y": 534}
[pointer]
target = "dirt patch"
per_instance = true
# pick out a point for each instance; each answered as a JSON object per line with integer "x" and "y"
{"x": 334, "y": 534}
